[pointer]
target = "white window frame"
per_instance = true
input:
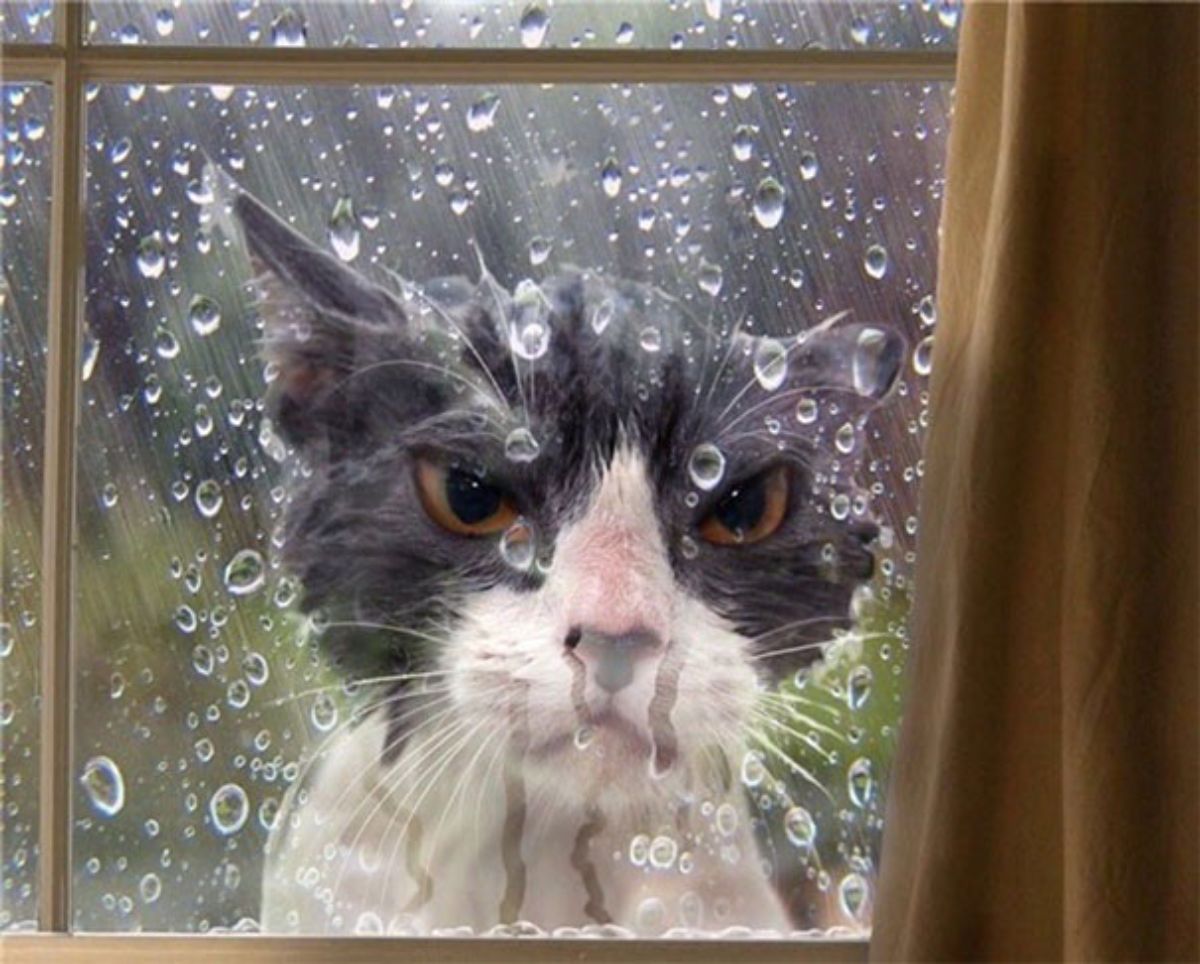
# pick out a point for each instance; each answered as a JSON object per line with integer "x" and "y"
{"x": 68, "y": 63}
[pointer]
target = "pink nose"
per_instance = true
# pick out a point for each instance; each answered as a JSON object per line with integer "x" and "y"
{"x": 611, "y": 658}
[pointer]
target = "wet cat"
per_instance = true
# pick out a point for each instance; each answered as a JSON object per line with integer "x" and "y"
{"x": 564, "y": 537}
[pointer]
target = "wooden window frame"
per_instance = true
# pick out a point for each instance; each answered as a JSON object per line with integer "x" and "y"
{"x": 66, "y": 64}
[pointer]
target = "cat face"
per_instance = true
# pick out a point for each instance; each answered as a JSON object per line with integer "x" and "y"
{"x": 600, "y": 522}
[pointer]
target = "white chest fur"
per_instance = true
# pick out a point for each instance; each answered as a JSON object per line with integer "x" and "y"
{"x": 433, "y": 842}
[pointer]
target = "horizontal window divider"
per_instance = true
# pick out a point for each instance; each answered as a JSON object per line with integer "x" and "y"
{"x": 350, "y": 65}
{"x": 263, "y": 949}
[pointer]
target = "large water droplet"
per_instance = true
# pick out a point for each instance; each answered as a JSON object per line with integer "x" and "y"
{"x": 875, "y": 261}
{"x": 343, "y": 230}
{"x": 529, "y": 330}
{"x": 858, "y": 687}
{"x": 539, "y": 250}
{"x": 808, "y": 166}
{"x": 663, "y": 851}
{"x": 150, "y": 887}
{"x": 624, "y": 35}
{"x": 706, "y": 466}
{"x": 753, "y": 770}
{"x": 521, "y": 446}
{"x": 204, "y": 315}
{"x": 807, "y": 411}
{"x": 868, "y": 368}
{"x": 852, "y": 895}
{"x": 743, "y": 143}
{"x": 209, "y": 498}
{"x": 245, "y": 573}
{"x": 859, "y": 782}
{"x": 610, "y": 177}
{"x": 289, "y": 30}
{"x": 650, "y": 339}
{"x": 533, "y": 26}
{"x": 927, "y": 311}
{"x": 481, "y": 115}
{"x": 517, "y": 545}
{"x": 324, "y": 713}
{"x": 229, "y": 807}
{"x": 769, "y": 202}
{"x": 770, "y": 363}
{"x": 860, "y": 30}
{"x": 104, "y": 785}
{"x": 800, "y": 827}
{"x": 845, "y": 437}
{"x": 603, "y": 315}
{"x": 151, "y": 258}
{"x": 710, "y": 277}
{"x": 922, "y": 359}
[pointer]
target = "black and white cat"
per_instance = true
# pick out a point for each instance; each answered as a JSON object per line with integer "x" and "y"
{"x": 568, "y": 535}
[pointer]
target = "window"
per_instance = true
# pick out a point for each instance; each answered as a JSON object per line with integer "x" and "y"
{"x": 665, "y": 197}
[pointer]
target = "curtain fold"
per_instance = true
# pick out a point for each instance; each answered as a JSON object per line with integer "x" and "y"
{"x": 1044, "y": 801}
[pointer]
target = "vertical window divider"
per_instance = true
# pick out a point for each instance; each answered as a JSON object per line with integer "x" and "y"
{"x": 64, "y": 320}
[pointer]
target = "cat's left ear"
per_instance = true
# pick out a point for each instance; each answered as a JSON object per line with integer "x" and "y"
{"x": 322, "y": 319}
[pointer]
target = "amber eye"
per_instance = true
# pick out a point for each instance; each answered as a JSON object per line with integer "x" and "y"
{"x": 462, "y": 501}
{"x": 750, "y": 511}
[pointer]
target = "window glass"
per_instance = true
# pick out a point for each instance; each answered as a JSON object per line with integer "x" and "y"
{"x": 27, "y": 21}
{"x": 579, "y": 523}
{"x": 24, "y": 226}
{"x": 676, "y": 24}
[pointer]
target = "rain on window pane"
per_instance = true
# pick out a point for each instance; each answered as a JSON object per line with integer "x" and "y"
{"x": 27, "y": 21}
{"x": 675, "y": 712}
{"x": 530, "y": 24}
{"x": 24, "y": 226}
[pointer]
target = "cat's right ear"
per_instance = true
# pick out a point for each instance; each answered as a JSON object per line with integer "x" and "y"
{"x": 322, "y": 319}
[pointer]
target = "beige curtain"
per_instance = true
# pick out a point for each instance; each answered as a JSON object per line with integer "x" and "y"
{"x": 1045, "y": 802}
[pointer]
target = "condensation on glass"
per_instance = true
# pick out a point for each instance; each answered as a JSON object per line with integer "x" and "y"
{"x": 25, "y": 114}
{"x": 205, "y": 694}
{"x": 27, "y": 21}
{"x": 531, "y": 24}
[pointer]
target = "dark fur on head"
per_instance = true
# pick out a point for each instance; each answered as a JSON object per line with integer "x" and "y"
{"x": 368, "y": 376}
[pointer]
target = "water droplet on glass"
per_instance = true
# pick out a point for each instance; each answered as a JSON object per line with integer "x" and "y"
{"x": 625, "y": 34}
{"x": 89, "y": 354}
{"x": 727, "y": 820}
{"x": 845, "y": 438}
{"x": 205, "y": 750}
{"x": 288, "y": 30}
{"x": 533, "y": 26}
{"x": 800, "y": 827}
{"x": 663, "y": 851}
{"x": 858, "y": 687}
{"x": 164, "y": 22}
{"x": 927, "y": 311}
{"x": 203, "y": 658}
{"x": 204, "y": 315}
{"x": 860, "y": 30}
{"x": 521, "y": 446}
{"x": 610, "y": 177}
{"x": 185, "y": 619}
{"x": 852, "y": 895}
{"x": 324, "y": 713}
{"x": 922, "y": 359}
{"x": 947, "y": 11}
{"x": 770, "y": 363}
{"x": 343, "y": 230}
{"x": 104, "y": 785}
{"x": 769, "y": 202}
{"x": 229, "y": 807}
{"x": 867, "y": 367}
{"x": 245, "y": 573}
{"x": 806, "y": 411}
{"x": 706, "y": 466}
{"x": 753, "y": 771}
{"x": 529, "y": 331}
{"x": 209, "y": 498}
{"x": 602, "y": 315}
{"x": 639, "y": 850}
{"x": 875, "y": 261}
{"x": 539, "y": 250}
{"x": 859, "y": 782}
{"x": 651, "y": 339}
{"x": 481, "y": 115}
{"x": 151, "y": 259}
{"x": 166, "y": 345}
{"x": 808, "y": 165}
{"x": 710, "y": 278}
{"x": 517, "y": 546}
{"x": 743, "y": 143}
{"x": 150, "y": 887}
{"x": 256, "y": 668}
{"x": 109, "y": 495}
